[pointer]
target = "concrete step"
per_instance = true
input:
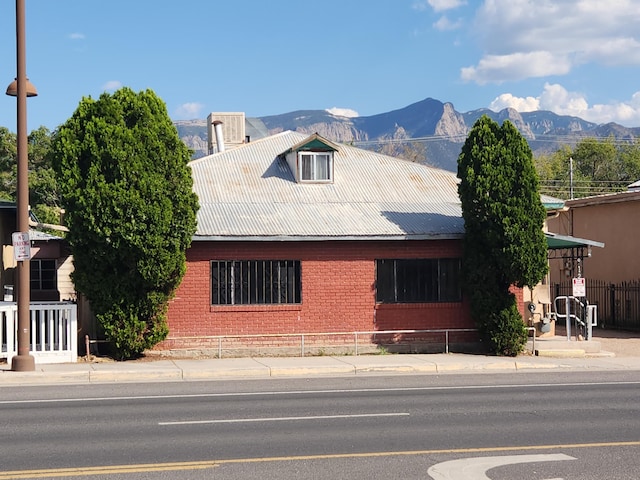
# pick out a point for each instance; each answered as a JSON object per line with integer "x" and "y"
{"x": 560, "y": 347}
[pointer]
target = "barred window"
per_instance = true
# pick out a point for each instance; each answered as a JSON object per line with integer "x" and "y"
{"x": 418, "y": 280}
{"x": 249, "y": 282}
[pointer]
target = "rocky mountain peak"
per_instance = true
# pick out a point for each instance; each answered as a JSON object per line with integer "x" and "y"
{"x": 451, "y": 124}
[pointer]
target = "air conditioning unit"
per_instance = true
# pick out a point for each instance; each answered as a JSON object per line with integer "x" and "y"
{"x": 233, "y": 129}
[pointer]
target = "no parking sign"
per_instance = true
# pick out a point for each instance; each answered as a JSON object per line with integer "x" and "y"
{"x": 21, "y": 246}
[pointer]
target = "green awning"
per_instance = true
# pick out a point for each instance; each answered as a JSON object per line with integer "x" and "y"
{"x": 556, "y": 241}
{"x": 551, "y": 203}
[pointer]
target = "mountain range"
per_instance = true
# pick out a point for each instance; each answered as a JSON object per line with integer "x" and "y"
{"x": 430, "y": 123}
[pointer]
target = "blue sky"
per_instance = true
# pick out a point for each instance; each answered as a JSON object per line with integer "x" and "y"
{"x": 359, "y": 57}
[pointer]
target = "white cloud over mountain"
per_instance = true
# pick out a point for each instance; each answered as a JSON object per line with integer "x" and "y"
{"x": 343, "y": 112}
{"x": 188, "y": 111}
{"x": 572, "y": 39}
{"x": 559, "y": 100}
{"x": 526, "y": 38}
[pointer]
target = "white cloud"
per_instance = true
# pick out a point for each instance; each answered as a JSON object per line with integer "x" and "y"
{"x": 444, "y": 23}
{"x": 564, "y": 34}
{"x": 521, "y": 104}
{"x": 343, "y": 112}
{"x": 77, "y": 36}
{"x": 189, "y": 110}
{"x": 559, "y": 100}
{"x": 438, "y": 5}
{"x": 516, "y": 66}
{"x": 112, "y": 85}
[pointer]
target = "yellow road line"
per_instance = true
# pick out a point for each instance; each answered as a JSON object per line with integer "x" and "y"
{"x": 107, "y": 470}
{"x": 162, "y": 467}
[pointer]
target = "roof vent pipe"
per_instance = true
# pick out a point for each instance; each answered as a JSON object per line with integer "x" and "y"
{"x": 217, "y": 125}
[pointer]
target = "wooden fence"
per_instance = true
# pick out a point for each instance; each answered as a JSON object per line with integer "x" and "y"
{"x": 53, "y": 331}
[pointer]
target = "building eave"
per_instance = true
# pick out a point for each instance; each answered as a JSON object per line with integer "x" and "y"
{"x": 322, "y": 238}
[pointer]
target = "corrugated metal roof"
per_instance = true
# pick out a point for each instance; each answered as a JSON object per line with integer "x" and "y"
{"x": 551, "y": 203}
{"x": 249, "y": 192}
{"x": 36, "y": 235}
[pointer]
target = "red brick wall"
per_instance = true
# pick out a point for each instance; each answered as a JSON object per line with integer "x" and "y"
{"x": 338, "y": 290}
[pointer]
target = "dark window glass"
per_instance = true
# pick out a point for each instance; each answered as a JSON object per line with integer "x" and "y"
{"x": 43, "y": 274}
{"x": 418, "y": 280}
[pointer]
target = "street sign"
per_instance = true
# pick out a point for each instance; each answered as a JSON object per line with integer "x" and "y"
{"x": 21, "y": 246}
{"x": 579, "y": 287}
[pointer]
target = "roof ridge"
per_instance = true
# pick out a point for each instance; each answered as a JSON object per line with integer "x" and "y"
{"x": 244, "y": 145}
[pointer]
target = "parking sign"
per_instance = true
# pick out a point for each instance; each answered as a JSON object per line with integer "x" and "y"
{"x": 21, "y": 246}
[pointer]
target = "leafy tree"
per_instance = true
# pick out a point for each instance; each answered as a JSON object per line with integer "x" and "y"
{"x": 8, "y": 158}
{"x": 630, "y": 162}
{"x": 130, "y": 209}
{"x": 599, "y": 166}
{"x": 43, "y": 190}
{"x": 504, "y": 244}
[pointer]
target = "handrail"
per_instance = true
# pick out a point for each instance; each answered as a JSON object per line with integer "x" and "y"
{"x": 302, "y": 336}
{"x": 571, "y": 316}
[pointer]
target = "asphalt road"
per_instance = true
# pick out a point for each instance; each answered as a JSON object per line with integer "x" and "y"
{"x": 511, "y": 426}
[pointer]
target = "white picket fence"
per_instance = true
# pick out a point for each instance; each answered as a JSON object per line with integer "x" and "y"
{"x": 53, "y": 332}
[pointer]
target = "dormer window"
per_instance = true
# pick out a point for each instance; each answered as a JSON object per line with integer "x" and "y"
{"x": 312, "y": 160}
{"x": 315, "y": 166}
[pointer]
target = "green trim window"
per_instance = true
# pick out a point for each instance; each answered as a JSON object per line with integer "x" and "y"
{"x": 254, "y": 282}
{"x": 43, "y": 274}
{"x": 315, "y": 166}
{"x": 418, "y": 280}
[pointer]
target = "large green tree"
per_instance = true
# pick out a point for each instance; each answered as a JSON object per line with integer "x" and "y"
{"x": 599, "y": 166}
{"x": 127, "y": 190}
{"x": 504, "y": 244}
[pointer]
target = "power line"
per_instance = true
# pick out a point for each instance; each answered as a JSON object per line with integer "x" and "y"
{"x": 542, "y": 138}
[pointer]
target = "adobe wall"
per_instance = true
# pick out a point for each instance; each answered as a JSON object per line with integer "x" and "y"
{"x": 617, "y": 225}
{"x": 338, "y": 291}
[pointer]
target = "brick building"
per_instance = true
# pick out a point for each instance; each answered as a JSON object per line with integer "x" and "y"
{"x": 297, "y": 234}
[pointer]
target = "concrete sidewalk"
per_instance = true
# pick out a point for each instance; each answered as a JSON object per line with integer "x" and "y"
{"x": 164, "y": 370}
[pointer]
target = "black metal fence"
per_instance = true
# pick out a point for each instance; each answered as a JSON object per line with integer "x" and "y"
{"x": 618, "y": 303}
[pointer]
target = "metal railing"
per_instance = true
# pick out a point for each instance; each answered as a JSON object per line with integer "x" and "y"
{"x": 618, "y": 303}
{"x": 303, "y": 344}
{"x": 53, "y": 330}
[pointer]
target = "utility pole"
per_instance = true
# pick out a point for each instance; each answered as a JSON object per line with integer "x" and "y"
{"x": 571, "y": 178}
{"x": 23, "y": 361}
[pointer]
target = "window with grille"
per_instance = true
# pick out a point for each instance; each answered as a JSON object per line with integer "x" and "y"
{"x": 418, "y": 280}
{"x": 43, "y": 274}
{"x": 315, "y": 166}
{"x": 249, "y": 282}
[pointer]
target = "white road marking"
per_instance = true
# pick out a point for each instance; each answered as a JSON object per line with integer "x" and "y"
{"x": 476, "y": 468}
{"x": 310, "y": 392}
{"x": 284, "y": 419}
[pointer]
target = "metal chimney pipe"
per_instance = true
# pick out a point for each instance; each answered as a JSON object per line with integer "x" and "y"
{"x": 217, "y": 125}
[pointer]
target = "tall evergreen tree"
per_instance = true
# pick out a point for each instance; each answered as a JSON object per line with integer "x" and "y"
{"x": 504, "y": 243}
{"x": 131, "y": 211}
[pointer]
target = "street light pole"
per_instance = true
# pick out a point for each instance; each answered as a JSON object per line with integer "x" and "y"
{"x": 23, "y": 361}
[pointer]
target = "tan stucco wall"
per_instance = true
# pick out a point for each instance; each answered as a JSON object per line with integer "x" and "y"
{"x": 613, "y": 220}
